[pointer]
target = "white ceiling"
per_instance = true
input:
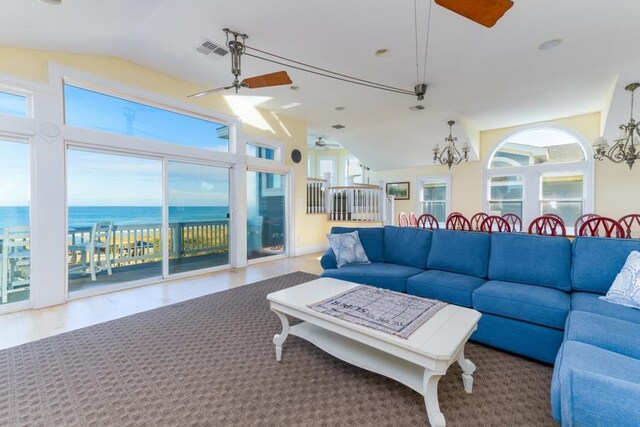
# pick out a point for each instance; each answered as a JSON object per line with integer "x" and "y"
{"x": 483, "y": 77}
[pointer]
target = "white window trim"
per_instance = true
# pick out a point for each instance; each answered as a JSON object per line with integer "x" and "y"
{"x": 532, "y": 174}
{"x": 433, "y": 179}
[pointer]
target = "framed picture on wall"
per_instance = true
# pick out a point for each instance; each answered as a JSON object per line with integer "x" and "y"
{"x": 400, "y": 190}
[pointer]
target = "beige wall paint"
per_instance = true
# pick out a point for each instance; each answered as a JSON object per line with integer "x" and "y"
{"x": 616, "y": 188}
{"x": 34, "y": 65}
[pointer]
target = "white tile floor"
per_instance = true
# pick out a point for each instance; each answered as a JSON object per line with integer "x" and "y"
{"x": 31, "y": 325}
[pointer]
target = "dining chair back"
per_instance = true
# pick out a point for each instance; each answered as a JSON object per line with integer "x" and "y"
{"x": 476, "y": 220}
{"x": 547, "y": 225}
{"x": 428, "y": 221}
{"x": 403, "y": 220}
{"x": 413, "y": 220}
{"x": 558, "y": 217}
{"x": 495, "y": 223}
{"x": 631, "y": 225}
{"x": 602, "y": 227}
{"x": 457, "y": 221}
{"x": 514, "y": 222}
{"x": 581, "y": 219}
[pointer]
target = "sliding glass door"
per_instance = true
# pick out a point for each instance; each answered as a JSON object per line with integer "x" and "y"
{"x": 198, "y": 216}
{"x": 114, "y": 218}
{"x": 15, "y": 246}
{"x": 266, "y": 219}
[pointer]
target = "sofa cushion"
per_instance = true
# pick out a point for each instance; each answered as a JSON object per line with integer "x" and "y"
{"x": 606, "y": 332}
{"x": 597, "y": 387}
{"x": 382, "y": 275}
{"x": 459, "y": 252}
{"x": 586, "y": 301}
{"x": 536, "y": 260}
{"x": 444, "y": 286}
{"x": 407, "y": 246}
{"x": 535, "y": 304}
{"x": 598, "y": 260}
{"x": 372, "y": 239}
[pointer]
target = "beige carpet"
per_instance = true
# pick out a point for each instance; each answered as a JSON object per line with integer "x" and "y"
{"x": 210, "y": 362}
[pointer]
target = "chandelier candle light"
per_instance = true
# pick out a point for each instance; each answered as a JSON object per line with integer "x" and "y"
{"x": 624, "y": 147}
{"x": 450, "y": 155}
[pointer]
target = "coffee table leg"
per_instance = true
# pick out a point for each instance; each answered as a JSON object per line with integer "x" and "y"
{"x": 278, "y": 339}
{"x": 468, "y": 368}
{"x": 430, "y": 384}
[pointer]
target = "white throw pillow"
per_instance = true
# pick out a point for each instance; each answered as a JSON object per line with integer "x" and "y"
{"x": 626, "y": 288}
{"x": 347, "y": 248}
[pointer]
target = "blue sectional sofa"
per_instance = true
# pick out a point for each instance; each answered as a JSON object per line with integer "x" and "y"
{"x": 539, "y": 297}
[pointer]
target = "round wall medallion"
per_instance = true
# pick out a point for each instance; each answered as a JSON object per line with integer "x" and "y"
{"x": 296, "y": 156}
{"x": 48, "y": 129}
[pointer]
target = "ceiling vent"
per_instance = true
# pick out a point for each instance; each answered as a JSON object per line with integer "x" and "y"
{"x": 416, "y": 108}
{"x": 338, "y": 126}
{"x": 209, "y": 48}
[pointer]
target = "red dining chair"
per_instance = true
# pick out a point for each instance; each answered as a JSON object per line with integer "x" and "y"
{"x": 547, "y": 225}
{"x": 476, "y": 220}
{"x": 558, "y": 217}
{"x": 581, "y": 219}
{"x": 601, "y": 227}
{"x": 413, "y": 220}
{"x": 453, "y": 214}
{"x": 457, "y": 221}
{"x": 403, "y": 220}
{"x": 514, "y": 222}
{"x": 627, "y": 222}
{"x": 495, "y": 223}
{"x": 428, "y": 221}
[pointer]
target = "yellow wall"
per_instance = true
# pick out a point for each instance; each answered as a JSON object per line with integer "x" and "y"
{"x": 34, "y": 65}
{"x": 616, "y": 192}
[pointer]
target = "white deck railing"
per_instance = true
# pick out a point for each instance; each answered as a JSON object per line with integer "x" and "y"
{"x": 133, "y": 244}
{"x": 359, "y": 202}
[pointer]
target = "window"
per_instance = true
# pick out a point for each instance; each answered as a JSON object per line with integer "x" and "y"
{"x": 93, "y": 110}
{"x": 434, "y": 196}
{"x": 261, "y": 152}
{"x": 506, "y": 195}
{"x": 540, "y": 170}
{"x": 13, "y": 105}
{"x": 327, "y": 165}
{"x": 353, "y": 169}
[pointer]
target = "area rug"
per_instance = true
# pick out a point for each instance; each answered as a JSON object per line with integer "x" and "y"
{"x": 210, "y": 362}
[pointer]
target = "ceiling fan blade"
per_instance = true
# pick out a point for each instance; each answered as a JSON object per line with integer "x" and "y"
{"x": 207, "y": 92}
{"x": 484, "y": 12}
{"x": 266, "y": 80}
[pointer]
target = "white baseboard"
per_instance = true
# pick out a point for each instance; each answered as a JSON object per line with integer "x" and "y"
{"x": 305, "y": 250}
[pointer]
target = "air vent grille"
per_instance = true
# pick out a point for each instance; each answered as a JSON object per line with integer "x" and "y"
{"x": 416, "y": 108}
{"x": 210, "y": 48}
{"x": 338, "y": 126}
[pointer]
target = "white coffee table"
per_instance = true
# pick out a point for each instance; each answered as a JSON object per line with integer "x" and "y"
{"x": 418, "y": 362}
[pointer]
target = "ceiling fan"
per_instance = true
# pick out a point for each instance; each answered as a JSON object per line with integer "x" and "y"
{"x": 320, "y": 143}
{"x": 237, "y": 48}
{"x": 484, "y": 12}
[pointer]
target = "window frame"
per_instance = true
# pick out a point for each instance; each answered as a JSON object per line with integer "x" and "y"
{"x": 434, "y": 179}
{"x": 532, "y": 174}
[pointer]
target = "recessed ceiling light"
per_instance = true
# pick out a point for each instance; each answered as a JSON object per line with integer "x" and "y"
{"x": 294, "y": 87}
{"x": 550, "y": 44}
{"x": 340, "y": 108}
{"x": 54, "y": 2}
{"x": 382, "y": 52}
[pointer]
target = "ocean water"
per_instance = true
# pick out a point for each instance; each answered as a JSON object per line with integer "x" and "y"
{"x": 85, "y": 216}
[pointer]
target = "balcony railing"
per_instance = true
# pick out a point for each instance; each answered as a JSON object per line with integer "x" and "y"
{"x": 359, "y": 202}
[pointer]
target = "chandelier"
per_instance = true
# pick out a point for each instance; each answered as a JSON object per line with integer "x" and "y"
{"x": 450, "y": 155}
{"x": 624, "y": 147}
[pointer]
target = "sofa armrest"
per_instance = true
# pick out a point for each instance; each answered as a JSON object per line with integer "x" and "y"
{"x": 328, "y": 260}
{"x": 595, "y": 399}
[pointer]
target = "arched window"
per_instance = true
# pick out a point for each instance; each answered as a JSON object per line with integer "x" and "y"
{"x": 539, "y": 170}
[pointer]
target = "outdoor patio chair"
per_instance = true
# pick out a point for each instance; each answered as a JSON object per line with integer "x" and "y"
{"x": 99, "y": 241}
{"x": 16, "y": 259}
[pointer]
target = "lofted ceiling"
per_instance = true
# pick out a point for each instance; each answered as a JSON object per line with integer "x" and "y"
{"x": 484, "y": 78}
